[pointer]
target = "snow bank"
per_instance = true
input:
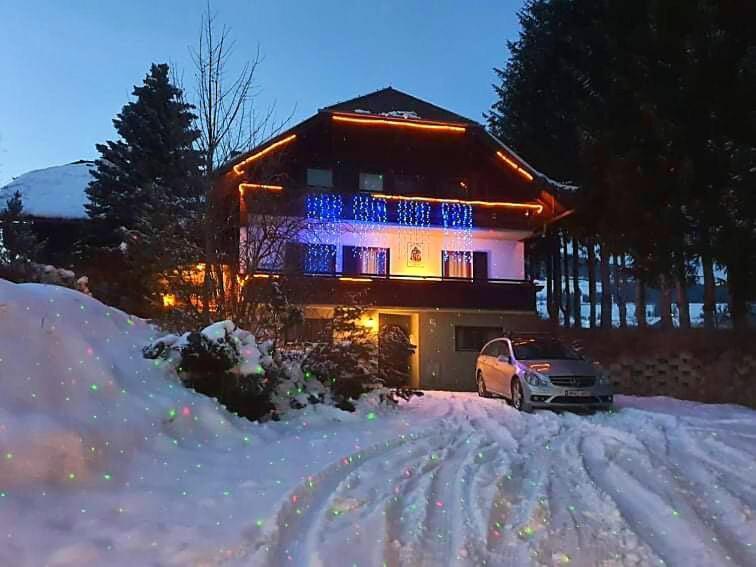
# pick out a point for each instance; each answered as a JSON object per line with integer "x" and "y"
{"x": 57, "y": 192}
{"x": 77, "y": 399}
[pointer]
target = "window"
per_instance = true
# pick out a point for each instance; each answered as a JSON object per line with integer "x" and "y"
{"x": 457, "y": 264}
{"x": 366, "y": 260}
{"x": 371, "y": 182}
{"x": 320, "y": 258}
{"x": 320, "y": 177}
{"x": 473, "y": 338}
{"x": 494, "y": 349}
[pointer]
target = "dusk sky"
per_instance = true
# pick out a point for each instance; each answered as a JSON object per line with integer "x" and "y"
{"x": 69, "y": 67}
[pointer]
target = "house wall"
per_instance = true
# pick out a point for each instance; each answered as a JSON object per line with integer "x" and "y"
{"x": 504, "y": 247}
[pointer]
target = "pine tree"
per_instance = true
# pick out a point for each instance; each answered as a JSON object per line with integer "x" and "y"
{"x": 18, "y": 243}
{"x": 146, "y": 195}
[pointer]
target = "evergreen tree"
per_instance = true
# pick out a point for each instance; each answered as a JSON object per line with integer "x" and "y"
{"x": 146, "y": 197}
{"x": 18, "y": 243}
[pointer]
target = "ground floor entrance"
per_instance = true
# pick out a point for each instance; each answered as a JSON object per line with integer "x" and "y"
{"x": 447, "y": 342}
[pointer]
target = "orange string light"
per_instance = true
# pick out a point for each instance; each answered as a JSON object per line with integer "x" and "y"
{"x": 239, "y": 167}
{"x": 514, "y": 166}
{"x": 529, "y": 206}
{"x": 400, "y": 123}
{"x": 355, "y": 279}
{"x": 244, "y": 186}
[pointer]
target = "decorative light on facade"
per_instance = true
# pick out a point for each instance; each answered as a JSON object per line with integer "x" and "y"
{"x": 514, "y": 166}
{"x": 369, "y": 209}
{"x": 414, "y": 213}
{"x": 535, "y": 207}
{"x": 239, "y": 167}
{"x": 400, "y": 124}
{"x": 458, "y": 224}
{"x": 324, "y": 213}
{"x": 368, "y": 214}
{"x": 324, "y": 207}
{"x": 258, "y": 186}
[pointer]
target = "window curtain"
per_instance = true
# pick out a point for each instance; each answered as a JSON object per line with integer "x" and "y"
{"x": 457, "y": 264}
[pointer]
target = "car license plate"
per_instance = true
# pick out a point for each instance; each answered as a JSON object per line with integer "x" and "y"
{"x": 578, "y": 394}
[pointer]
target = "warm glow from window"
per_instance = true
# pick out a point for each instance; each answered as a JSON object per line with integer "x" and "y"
{"x": 239, "y": 167}
{"x": 528, "y": 206}
{"x": 169, "y": 300}
{"x": 259, "y": 186}
{"x": 515, "y": 167}
{"x": 400, "y": 123}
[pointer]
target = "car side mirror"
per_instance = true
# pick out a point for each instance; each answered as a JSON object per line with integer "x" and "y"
{"x": 504, "y": 358}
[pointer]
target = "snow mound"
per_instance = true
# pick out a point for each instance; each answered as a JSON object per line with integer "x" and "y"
{"x": 77, "y": 400}
{"x": 54, "y": 192}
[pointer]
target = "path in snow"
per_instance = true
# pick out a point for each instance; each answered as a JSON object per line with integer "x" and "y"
{"x": 476, "y": 483}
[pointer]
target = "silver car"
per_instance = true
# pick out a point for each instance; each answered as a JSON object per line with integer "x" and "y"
{"x": 541, "y": 372}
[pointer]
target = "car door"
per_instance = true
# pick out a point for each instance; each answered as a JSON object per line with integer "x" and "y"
{"x": 486, "y": 364}
{"x": 495, "y": 376}
{"x": 504, "y": 367}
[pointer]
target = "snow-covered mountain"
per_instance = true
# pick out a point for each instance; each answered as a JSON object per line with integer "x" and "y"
{"x": 53, "y": 192}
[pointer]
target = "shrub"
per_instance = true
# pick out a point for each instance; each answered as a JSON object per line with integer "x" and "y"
{"x": 226, "y": 363}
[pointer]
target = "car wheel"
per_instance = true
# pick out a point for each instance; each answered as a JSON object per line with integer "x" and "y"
{"x": 518, "y": 396}
{"x": 482, "y": 392}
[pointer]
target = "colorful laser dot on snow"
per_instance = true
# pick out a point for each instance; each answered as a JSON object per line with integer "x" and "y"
{"x": 186, "y": 411}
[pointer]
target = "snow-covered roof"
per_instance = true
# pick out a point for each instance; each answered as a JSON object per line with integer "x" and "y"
{"x": 53, "y": 192}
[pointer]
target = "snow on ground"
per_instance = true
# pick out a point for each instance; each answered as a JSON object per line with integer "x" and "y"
{"x": 57, "y": 192}
{"x": 105, "y": 460}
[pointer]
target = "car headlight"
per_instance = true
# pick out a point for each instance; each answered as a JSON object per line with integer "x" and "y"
{"x": 535, "y": 379}
{"x": 604, "y": 379}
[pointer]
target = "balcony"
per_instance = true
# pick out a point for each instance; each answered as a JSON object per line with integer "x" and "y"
{"x": 416, "y": 292}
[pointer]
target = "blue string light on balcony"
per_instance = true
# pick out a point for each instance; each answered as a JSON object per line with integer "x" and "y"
{"x": 414, "y": 213}
{"x": 368, "y": 209}
{"x": 324, "y": 207}
{"x": 369, "y": 214}
{"x": 324, "y": 213}
{"x": 458, "y": 224}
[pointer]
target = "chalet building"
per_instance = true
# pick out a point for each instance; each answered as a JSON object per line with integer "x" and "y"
{"x": 418, "y": 208}
{"x": 54, "y": 200}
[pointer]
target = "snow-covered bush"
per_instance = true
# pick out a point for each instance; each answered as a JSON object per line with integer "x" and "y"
{"x": 249, "y": 378}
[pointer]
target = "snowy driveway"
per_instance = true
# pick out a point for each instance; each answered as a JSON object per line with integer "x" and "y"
{"x": 472, "y": 482}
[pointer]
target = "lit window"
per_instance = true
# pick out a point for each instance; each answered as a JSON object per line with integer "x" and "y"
{"x": 371, "y": 182}
{"x": 366, "y": 260}
{"x": 320, "y": 177}
{"x": 457, "y": 264}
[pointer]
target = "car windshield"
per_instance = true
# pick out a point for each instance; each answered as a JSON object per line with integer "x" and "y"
{"x": 542, "y": 349}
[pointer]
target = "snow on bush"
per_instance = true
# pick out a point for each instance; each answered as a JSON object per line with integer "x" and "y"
{"x": 249, "y": 378}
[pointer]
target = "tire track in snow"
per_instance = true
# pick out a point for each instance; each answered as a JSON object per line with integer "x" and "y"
{"x": 591, "y": 490}
{"x": 292, "y": 540}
